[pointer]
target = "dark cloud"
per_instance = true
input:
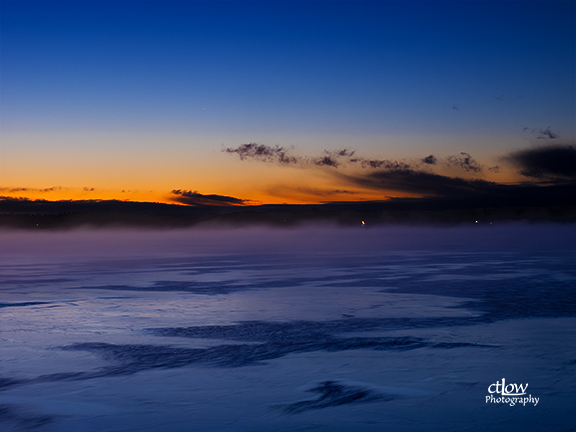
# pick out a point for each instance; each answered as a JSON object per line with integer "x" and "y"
{"x": 25, "y": 189}
{"x": 279, "y": 154}
{"x": 448, "y": 193}
{"x": 324, "y": 192}
{"x": 264, "y": 153}
{"x": 383, "y": 163}
{"x": 464, "y": 161}
{"x": 326, "y": 161}
{"x": 555, "y": 162}
{"x": 545, "y": 162}
{"x": 543, "y": 133}
{"x": 332, "y": 157}
{"x": 198, "y": 199}
{"x": 417, "y": 182}
{"x": 337, "y": 158}
{"x": 345, "y": 152}
{"x": 547, "y": 134}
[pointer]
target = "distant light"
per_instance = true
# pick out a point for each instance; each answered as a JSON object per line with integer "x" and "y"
{"x": 363, "y": 223}
{"x": 476, "y": 221}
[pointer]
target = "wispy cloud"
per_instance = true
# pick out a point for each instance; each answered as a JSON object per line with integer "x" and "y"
{"x": 27, "y": 189}
{"x": 337, "y": 158}
{"x": 281, "y": 155}
{"x": 547, "y": 134}
{"x": 264, "y": 153}
{"x": 412, "y": 176}
{"x": 329, "y": 158}
{"x": 325, "y": 192}
{"x": 383, "y": 163}
{"x": 465, "y": 162}
{"x": 542, "y": 133}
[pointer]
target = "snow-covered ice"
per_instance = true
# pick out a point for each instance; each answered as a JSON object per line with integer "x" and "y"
{"x": 400, "y": 329}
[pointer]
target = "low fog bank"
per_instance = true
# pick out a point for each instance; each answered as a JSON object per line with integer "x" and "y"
{"x": 340, "y": 214}
{"x": 86, "y": 243}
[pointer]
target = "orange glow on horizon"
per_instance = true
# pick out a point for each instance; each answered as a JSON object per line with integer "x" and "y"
{"x": 93, "y": 194}
{"x": 143, "y": 168}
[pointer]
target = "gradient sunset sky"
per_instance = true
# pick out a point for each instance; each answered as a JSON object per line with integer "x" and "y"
{"x": 278, "y": 101}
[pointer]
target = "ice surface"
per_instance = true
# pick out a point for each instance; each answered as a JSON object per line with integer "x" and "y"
{"x": 253, "y": 331}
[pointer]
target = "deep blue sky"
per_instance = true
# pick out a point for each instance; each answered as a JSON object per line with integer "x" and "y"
{"x": 370, "y": 67}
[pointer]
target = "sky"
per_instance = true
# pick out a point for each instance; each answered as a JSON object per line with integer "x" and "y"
{"x": 271, "y": 102}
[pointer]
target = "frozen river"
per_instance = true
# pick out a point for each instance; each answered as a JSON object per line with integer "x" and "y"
{"x": 391, "y": 329}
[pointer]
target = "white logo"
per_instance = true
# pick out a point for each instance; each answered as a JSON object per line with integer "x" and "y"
{"x": 510, "y": 394}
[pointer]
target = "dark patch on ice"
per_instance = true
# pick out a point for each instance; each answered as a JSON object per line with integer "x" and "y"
{"x": 354, "y": 281}
{"x": 206, "y": 288}
{"x": 334, "y": 393}
{"x": 525, "y": 297}
{"x": 450, "y": 345}
{"x": 298, "y": 331}
{"x": 533, "y": 299}
{"x": 263, "y": 341}
{"x": 63, "y": 376}
{"x": 134, "y": 358}
{"x": 35, "y": 281}
{"x": 252, "y": 331}
{"x": 9, "y": 382}
{"x": 3, "y": 305}
{"x": 228, "y": 286}
{"x": 23, "y": 419}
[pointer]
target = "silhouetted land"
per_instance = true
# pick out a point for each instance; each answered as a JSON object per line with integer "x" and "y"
{"x": 343, "y": 214}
